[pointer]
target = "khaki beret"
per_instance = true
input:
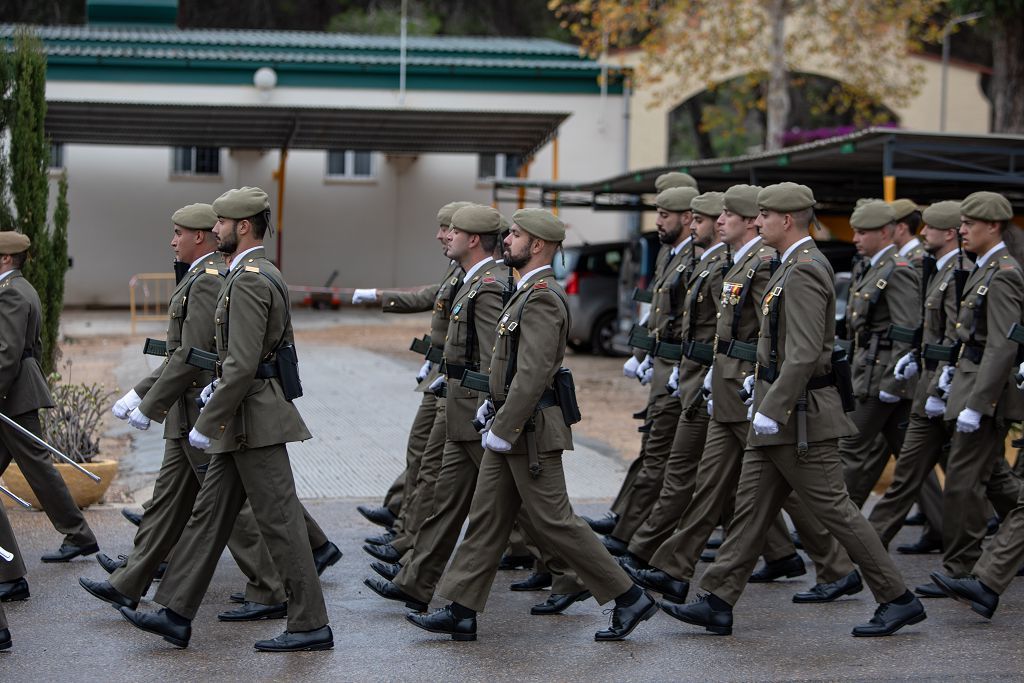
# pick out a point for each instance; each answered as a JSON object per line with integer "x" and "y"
{"x": 245, "y": 202}
{"x": 872, "y": 216}
{"x": 445, "y": 213}
{"x": 709, "y": 204}
{"x": 987, "y": 206}
{"x": 540, "y": 223}
{"x": 676, "y": 198}
{"x": 477, "y": 219}
{"x": 902, "y": 208}
{"x": 942, "y": 215}
{"x": 674, "y": 179}
{"x": 195, "y": 217}
{"x": 13, "y": 242}
{"x": 864, "y": 200}
{"x": 784, "y": 197}
{"x": 504, "y": 225}
{"x": 742, "y": 200}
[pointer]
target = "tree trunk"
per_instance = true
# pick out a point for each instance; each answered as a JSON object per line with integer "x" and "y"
{"x": 1008, "y": 74}
{"x": 777, "y": 101}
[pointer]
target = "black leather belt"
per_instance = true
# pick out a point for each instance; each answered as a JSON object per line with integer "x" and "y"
{"x": 819, "y": 382}
{"x": 667, "y": 350}
{"x": 864, "y": 340}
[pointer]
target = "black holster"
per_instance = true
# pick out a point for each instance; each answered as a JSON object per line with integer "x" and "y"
{"x": 565, "y": 393}
{"x": 287, "y": 362}
{"x": 844, "y": 378}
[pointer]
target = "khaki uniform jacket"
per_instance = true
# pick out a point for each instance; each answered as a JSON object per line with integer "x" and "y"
{"x": 988, "y": 386}
{"x": 538, "y": 314}
{"x": 700, "y": 308}
{"x": 939, "y": 324}
{"x": 663, "y": 321}
{"x": 22, "y": 385}
{"x": 916, "y": 257}
{"x": 251, "y": 321}
{"x": 898, "y": 287}
{"x": 169, "y": 393}
{"x": 750, "y": 274}
{"x": 435, "y": 298}
{"x": 485, "y": 289}
{"x": 804, "y": 290}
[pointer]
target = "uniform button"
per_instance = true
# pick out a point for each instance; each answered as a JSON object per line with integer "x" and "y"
{"x": 517, "y": 429}
{"x": 788, "y": 412}
{"x": 958, "y": 325}
{"x": 718, "y": 315}
{"x": 391, "y": 303}
{"x": 657, "y": 310}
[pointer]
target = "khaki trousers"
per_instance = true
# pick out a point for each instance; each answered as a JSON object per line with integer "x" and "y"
{"x": 174, "y": 495}
{"x": 419, "y": 502}
{"x": 35, "y": 463}
{"x": 976, "y": 467}
{"x": 865, "y": 455}
{"x": 505, "y": 487}
{"x": 768, "y": 476}
{"x": 664, "y": 414}
{"x": 264, "y": 477}
{"x": 419, "y": 433}
{"x": 678, "y": 481}
{"x": 1004, "y": 554}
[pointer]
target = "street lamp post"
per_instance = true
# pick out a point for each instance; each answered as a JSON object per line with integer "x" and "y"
{"x": 946, "y": 30}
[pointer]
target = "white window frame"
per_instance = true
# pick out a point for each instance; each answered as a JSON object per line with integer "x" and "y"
{"x": 349, "y": 175}
{"x": 56, "y": 149}
{"x": 179, "y": 173}
{"x": 500, "y": 161}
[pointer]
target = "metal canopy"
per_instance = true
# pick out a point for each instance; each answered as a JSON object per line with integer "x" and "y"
{"x": 927, "y": 167}
{"x": 276, "y": 127}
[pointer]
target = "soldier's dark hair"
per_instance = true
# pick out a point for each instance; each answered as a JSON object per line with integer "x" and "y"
{"x": 913, "y": 221}
{"x": 488, "y": 241}
{"x": 18, "y": 260}
{"x": 260, "y": 224}
{"x": 803, "y": 218}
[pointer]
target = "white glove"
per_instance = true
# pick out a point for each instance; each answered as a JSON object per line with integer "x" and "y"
{"x": 138, "y": 420}
{"x": 934, "y": 407}
{"x": 711, "y": 412}
{"x": 707, "y": 382}
{"x": 886, "y": 397}
{"x": 496, "y": 443}
{"x": 750, "y": 411}
{"x": 424, "y": 371}
{"x": 906, "y": 367}
{"x": 437, "y": 383}
{"x": 946, "y": 380}
{"x": 765, "y": 425}
{"x": 645, "y": 317}
{"x": 630, "y": 366}
{"x": 1020, "y": 373}
{"x": 969, "y": 420}
{"x": 673, "y": 381}
{"x": 364, "y": 296}
{"x": 645, "y": 371}
{"x": 126, "y": 404}
{"x": 748, "y": 386}
{"x": 485, "y": 415}
{"x": 207, "y": 391}
{"x": 198, "y": 440}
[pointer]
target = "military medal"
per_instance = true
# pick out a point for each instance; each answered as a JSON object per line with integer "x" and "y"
{"x": 731, "y": 293}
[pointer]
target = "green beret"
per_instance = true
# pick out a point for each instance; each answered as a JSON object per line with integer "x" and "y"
{"x": 674, "y": 179}
{"x": 540, "y": 223}
{"x": 987, "y": 206}
{"x": 195, "y": 217}
{"x": 742, "y": 200}
{"x": 245, "y": 202}
{"x": 676, "y": 198}
{"x": 445, "y": 213}
{"x": 785, "y": 197}
{"x": 872, "y": 216}
{"x": 942, "y": 215}
{"x": 13, "y": 242}
{"x": 902, "y": 208}
{"x": 477, "y": 219}
{"x": 709, "y": 204}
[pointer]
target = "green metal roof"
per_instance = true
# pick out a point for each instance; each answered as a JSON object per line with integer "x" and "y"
{"x": 302, "y": 58}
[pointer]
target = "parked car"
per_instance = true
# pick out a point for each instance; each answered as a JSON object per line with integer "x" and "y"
{"x": 590, "y": 276}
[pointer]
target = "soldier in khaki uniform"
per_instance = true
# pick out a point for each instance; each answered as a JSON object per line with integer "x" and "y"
{"x": 427, "y": 298}
{"x": 885, "y": 293}
{"x": 797, "y": 418}
{"x": 23, "y": 391}
{"x": 982, "y": 397}
{"x": 521, "y": 468}
{"x": 249, "y": 419}
{"x": 907, "y": 220}
{"x": 663, "y": 325}
{"x": 927, "y": 432}
{"x": 696, "y": 329}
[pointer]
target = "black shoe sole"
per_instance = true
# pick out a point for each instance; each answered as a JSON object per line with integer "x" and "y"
{"x": 461, "y": 637}
{"x": 177, "y": 642}
{"x": 910, "y": 622}
{"x": 411, "y": 604}
{"x": 717, "y": 630}
{"x": 83, "y": 552}
{"x": 668, "y": 597}
{"x": 269, "y": 615}
{"x": 16, "y": 596}
{"x": 651, "y": 611}
{"x": 306, "y": 648}
{"x": 785, "y": 575}
{"x": 332, "y": 560}
{"x": 818, "y": 601}
{"x": 586, "y": 595}
{"x": 117, "y": 605}
{"x": 6, "y": 645}
{"x": 977, "y": 607}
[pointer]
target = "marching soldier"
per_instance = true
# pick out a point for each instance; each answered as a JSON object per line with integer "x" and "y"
{"x": 797, "y": 417}
{"x": 982, "y": 398}
{"x": 521, "y": 467}
{"x": 419, "y": 300}
{"x": 885, "y": 293}
{"x": 907, "y": 219}
{"x": 663, "y": 409}
{"x": 23, "y": 392}
{"x": 245, "y": 425}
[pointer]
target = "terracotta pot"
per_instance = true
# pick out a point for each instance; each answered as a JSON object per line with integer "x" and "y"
{"x": 84, "y": 490}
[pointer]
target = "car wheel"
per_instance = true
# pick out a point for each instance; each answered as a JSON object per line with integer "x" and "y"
{"x": 579, "y": 347}
{"x": 603, "y": 331}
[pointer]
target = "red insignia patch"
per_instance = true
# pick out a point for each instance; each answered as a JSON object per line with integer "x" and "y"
{"x": 541, "y": 285}
{"x": 488, "y": 280}
{"x": 902, "y": 263}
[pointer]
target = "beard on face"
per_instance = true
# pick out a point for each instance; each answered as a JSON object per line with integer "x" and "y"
{"x": 227, "y": 244}
{"x": 669, "y": 236}
{"x": 517, "y": 261}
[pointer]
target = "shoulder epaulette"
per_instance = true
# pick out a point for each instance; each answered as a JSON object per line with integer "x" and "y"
{"x": 541, "y": 285}
{"x": 252, "y": 269}
{"x": 902, "y": 263}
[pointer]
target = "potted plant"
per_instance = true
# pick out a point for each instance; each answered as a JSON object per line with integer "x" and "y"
{"x": 72, "y": 426}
